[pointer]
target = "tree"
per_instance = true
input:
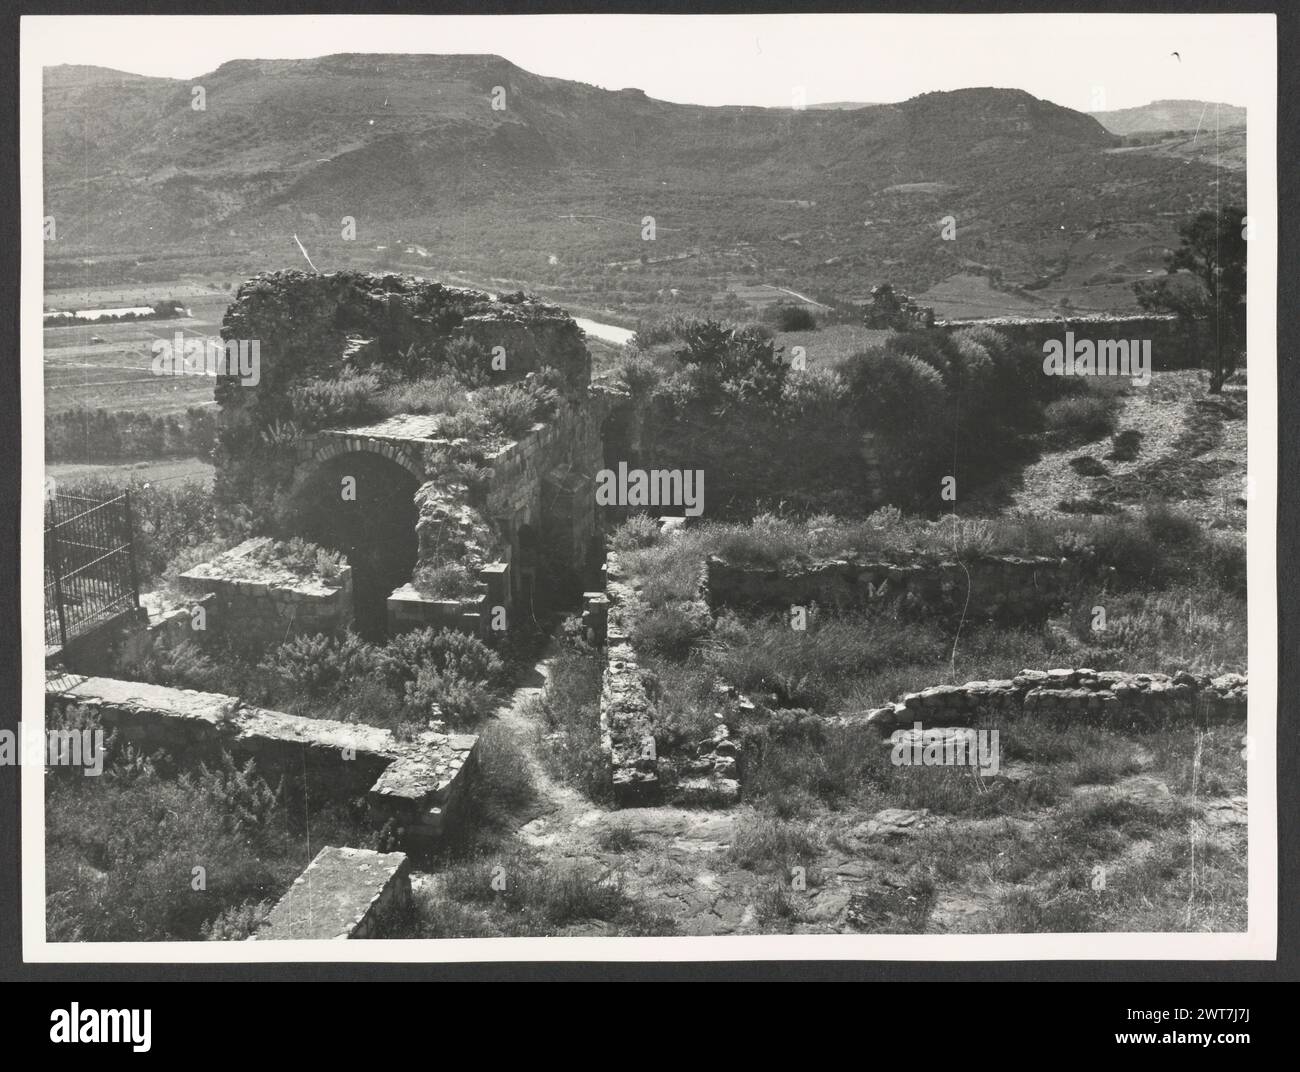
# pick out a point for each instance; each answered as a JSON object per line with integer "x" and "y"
{"x": 1213, "y": 256}
{"x": 742, "y": 362}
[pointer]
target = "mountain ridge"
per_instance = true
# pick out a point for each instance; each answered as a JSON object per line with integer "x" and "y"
{"x": 414, "y": 150}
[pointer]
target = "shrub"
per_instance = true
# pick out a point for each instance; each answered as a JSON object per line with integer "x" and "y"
{"x": 447, "y": 695}
{"x": 735, "y": 362}
{"x": 790, "y": 317}
{"x": 1125, "y": 445}
{"x": 638, "y": 531}
{"x": 505, "y": 773}
{"x": 670, "y": 630}
{"x": 351, "y": 397}
{"x": 1081, "y": 418}
{"x": 639, "y": 374}
{"x": 427, "y": 395}
{"x": 1224, "y": 563}
{"x": 897, "y": 395}
{"x": 445, "y": 581}
{"x": 317, "y": 665}
{"x": 764, "y": 844}
{"x": 792, "y": 761}
{"x": 514, "y": 408}
{"x": 445, "y": 651}
{"x": 300, "y": 557}
{"x": 1170, "y": 528}
{"x": 120, "y": 852}
{"x": 469, "y": 360}
{"x": 167, "y": 518}
{"x": 237, "y": 923}
{"x": 1086, "y": 465}
{"x": 569, "y": 713}
{"x": 182, "y": 666}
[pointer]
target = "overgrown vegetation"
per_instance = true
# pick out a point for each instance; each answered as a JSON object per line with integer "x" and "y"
{"x": 769, "y": 428}
{"x": 417, "y": 676}
{"x": 149, "y": 853}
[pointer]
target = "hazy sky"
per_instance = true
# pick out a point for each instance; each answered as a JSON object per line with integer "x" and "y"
{"x": 729, "y": 59}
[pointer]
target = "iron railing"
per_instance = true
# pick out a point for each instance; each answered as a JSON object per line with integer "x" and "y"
{"x": 90, "y": 574}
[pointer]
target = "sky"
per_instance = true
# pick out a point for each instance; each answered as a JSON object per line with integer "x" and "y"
{"x": 1086, "y": 62}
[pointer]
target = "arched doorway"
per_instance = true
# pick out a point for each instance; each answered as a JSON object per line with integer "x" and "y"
{"x": 363, "y": 506}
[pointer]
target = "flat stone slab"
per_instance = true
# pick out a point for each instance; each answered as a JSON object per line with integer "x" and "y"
{"x": 418, "y": 779}
{"x": 344, "y": 893}
{"x": 238, "y": 568}
{"x": 402, "y": 427}
{"x": 891, "y": 822}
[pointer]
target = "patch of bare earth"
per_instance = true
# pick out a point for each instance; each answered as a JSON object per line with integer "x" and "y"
{"x": 1191, "y": 455}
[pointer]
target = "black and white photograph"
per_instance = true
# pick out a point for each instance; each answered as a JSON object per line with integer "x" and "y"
{"x": 729, "y": 486}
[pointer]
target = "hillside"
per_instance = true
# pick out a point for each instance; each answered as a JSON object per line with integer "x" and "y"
{"x": 551, "y": 190}
{"x": 1171, "y": 115}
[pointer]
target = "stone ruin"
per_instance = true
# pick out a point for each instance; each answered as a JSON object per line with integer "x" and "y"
{"x": 515, "y": 517}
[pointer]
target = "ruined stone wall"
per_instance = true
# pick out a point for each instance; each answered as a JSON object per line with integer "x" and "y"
{"x": 1000, "y": 587}
{"x": 706, "y": 772}
{"x": 313, "y": 326}
{"x": 627, "y": 715}
{"x": 1105, "y": 697}
{"x": 419, "y": 783}
{"x": 547, "y": 480}
{"x": 270, "y": 608}
{"x": 344, "y": 893}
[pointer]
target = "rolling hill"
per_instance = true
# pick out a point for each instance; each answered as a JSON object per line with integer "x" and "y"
{"x": 1172, "y": 115}
{"x": 553, "y": 187}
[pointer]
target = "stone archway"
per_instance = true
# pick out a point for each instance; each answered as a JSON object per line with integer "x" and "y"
{"x": 361, "y": 504}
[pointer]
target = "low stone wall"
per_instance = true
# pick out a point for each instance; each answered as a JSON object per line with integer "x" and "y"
{"x": 626, "y": 707}
{"x": 265, "y": 604}
{"x": 418, "y": 784}
{"x": 1102, "y": 697}
{"x": 707, "y": 774}
{"x": 1000, "y": 587}
{"x": 1175, "y": 343}
{"x": 344, "y": 893}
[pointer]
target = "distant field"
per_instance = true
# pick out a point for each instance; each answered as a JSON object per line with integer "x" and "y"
{"x": 114, "y": 373}
{"x": 829, "y": 345}
{"x": 968, "y": 295}
{"x": 167, "y": 470}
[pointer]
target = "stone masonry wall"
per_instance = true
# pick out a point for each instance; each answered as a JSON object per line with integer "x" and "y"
{"x": 547, "y": 479}
{"x": 420, "y": 784}
{"x": 266, "y": 605}
{"x": 626, "y": 709}
{"x": 1103, "y": 697}
{"x": 314, "y": 326}
{"x": 343, "y": 893}
{"x": 707, "y": 773}
{"x": 1000, "y": 587}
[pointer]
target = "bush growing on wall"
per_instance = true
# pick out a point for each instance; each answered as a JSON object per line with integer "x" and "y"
{"x": 324, "y": 403}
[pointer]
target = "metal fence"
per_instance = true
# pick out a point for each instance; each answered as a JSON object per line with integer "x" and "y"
{"x": 90, "y": 574}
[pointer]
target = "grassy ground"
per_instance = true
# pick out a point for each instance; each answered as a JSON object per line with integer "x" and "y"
{"x": 1083, "y": 829}
{"x": 158, "y": 471}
